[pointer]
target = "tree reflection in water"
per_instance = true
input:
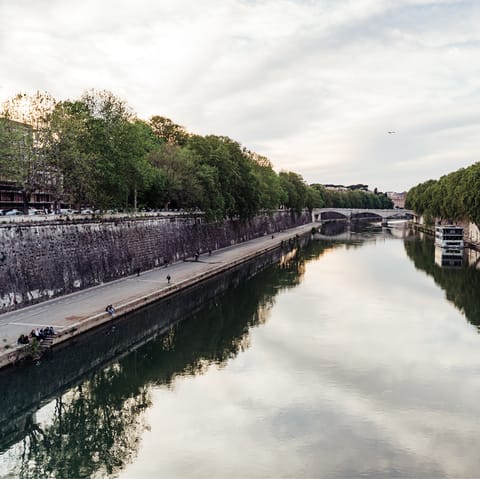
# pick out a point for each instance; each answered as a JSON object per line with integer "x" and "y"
{"x": 461, "y": 285}
{"x": 94, "y": 429}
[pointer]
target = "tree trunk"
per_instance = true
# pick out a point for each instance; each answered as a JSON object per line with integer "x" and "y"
{"x": 26, "y": 200}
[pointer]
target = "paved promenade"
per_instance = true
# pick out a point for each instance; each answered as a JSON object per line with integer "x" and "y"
{"x": 77, "y": 312}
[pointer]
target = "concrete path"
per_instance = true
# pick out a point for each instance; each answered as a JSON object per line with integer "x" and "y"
{"x": 71, "y": 311}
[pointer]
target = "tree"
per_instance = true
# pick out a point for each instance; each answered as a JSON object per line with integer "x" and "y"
{"x": 271, "y": 194}
{"x": 295, "y": 189}
{"x": 168, "y": 131}
{"x": 69, "y": 135}
{"x": 177, "y": 180}
{"x": 118, "y": 144}
{"x": 234, "y": 170}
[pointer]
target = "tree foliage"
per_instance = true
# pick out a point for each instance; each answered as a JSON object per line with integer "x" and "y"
{"x": 454, "y": 196}
{"x": 352, "y": 198}
{"x": 94, "y": 151}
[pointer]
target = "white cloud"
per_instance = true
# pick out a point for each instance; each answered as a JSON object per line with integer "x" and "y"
{"x": 314, "y": 85}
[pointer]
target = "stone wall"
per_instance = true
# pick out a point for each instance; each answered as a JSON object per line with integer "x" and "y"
{"x": 474, "y": 232}
{"x": 46, "y": 260}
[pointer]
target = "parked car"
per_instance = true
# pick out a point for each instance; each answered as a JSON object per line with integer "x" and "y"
{"x": 13, "y": 212}
{"x": 34, "y": 211}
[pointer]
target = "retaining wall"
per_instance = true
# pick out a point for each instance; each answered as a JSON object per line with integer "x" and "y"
{"x": 41, "y": 261}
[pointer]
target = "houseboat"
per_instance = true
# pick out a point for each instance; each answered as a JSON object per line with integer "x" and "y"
{"x": 448, "y": 257}
{"x": 449, "y": 236}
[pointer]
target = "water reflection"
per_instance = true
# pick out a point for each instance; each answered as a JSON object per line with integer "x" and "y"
{"x": 473, "y": 258}
{"x": 461, "y": 284}
{"x": 361, "y": 369}
{"x": 361, "y": 230}
{"x": 449, "y": 257}
{"x": 94, "y": 428}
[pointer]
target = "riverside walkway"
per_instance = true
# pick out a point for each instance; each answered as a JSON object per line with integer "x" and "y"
{"x": 78, "y": 312}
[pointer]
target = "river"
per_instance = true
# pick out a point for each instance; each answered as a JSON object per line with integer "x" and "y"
{"x": 354, "y": 356}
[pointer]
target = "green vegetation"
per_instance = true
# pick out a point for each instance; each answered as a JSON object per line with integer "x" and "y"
{"x": 95, "y": 152}
{"x": 454, "y": 196}
{"x": 461, "y": 285}
{"x": 352, "y": 198}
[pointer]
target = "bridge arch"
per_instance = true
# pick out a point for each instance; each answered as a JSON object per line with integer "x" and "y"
{"x": 322, "y": 214}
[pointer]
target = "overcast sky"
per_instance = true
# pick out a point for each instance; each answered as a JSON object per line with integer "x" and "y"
{"x": 315, "y": 85}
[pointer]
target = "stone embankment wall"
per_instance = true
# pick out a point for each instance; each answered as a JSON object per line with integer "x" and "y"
{"x": 40, "y": 261}
{"x": 472, "y": 230}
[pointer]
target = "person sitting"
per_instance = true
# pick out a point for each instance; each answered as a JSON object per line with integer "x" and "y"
{"x": 23, "y": 339}
{"x": 110, "y": 309}
{"x": 35, "y": 333}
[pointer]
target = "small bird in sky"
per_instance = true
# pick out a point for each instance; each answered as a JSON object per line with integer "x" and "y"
{"x": 391, "y": 132}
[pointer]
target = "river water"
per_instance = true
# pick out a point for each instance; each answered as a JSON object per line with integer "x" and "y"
{"x": 357, "y": 356}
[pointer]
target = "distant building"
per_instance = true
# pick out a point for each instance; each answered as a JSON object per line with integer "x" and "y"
{"x": 11, "y": 197}
{"x": 397, "y": 198}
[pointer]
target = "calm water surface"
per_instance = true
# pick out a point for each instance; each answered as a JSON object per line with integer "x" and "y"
{"x": 355, "y": 358}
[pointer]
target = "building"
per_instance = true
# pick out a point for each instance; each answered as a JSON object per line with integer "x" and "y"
{"x": 397, "y": 198}
{"x": 36, "y": 170}
{"x": 11, "y": 197}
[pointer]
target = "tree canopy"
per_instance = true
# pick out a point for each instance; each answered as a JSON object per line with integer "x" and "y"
{"x": 95, "y": 151}
{"x": 454, "y": 196}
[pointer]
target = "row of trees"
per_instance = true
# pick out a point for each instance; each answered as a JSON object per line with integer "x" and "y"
{"x": 353, "y": 198}
{"x": 96, "y": 151}
{"x": 454, "y": 196}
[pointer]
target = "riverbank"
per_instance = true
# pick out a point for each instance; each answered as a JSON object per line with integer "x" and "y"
{"x": 74, "y": 314}
{"x": 430, "y": 230}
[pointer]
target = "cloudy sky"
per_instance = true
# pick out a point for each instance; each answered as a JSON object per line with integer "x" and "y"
{"x": 315, "y": 85}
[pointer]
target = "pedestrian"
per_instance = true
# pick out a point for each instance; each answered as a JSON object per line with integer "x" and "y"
{"x": 209, "y": 252}
{"x": 168, "y": 278}
{"x": 138, "y": 272}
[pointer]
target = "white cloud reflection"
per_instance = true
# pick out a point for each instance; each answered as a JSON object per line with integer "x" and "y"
{"x": 333, "y": 385}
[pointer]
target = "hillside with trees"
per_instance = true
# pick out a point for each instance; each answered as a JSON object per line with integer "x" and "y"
{"x": 97, "y": 152}
{"x": 454, "y": 196}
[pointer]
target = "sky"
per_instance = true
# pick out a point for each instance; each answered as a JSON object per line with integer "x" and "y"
{"x": 314, "y": 85}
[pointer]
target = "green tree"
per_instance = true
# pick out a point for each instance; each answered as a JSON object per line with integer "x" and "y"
{"x": 119, "y": 144}
{"x": 67, "y": 152}
{"x": 239, "y": 186}
{"x": 295, "y": 189}
{"x": 168, "y": 131}
{"x": 271, "y": 194}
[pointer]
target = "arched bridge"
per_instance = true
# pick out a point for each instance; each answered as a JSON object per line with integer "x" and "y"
{"x": 332, "y": 214}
